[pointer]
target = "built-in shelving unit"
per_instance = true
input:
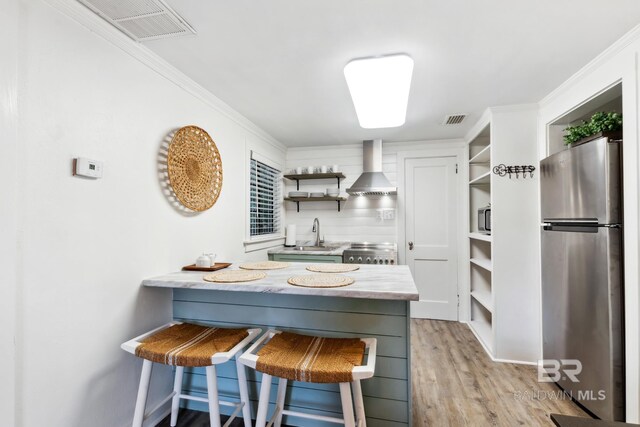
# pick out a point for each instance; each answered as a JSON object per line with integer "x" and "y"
{"x": 480, "y": 236}
{"x": 503, "y": 287}
{"x": 485, "y": 178}
{"x": 482, "y": 263}
{"x": 483, "y": 157}
{"x": 484, "y": 298}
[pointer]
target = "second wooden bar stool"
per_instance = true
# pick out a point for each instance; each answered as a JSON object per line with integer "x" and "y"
{"x": 296, "y": 357}
{"x": 190, "y": 345}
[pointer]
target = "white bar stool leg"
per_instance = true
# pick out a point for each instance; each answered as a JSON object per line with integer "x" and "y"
{"x": 177, "y": 389}
{"x": 357, "y": 397}
{"x": 143, "y": 392}
{"x": 263, "y": 403}
{"x": 282, "y": 391}
{"x": 244, "y": 392}
{"x": 347, "y": 405}
{"x": 212, "y": 391}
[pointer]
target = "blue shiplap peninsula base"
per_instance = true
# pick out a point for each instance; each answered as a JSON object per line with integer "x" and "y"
{"x": 387, "y": 396}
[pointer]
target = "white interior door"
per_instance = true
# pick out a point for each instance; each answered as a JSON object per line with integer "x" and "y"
{"x": 431, "y": 203}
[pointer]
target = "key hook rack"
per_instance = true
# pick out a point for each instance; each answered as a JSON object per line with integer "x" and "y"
{"x": 503, "y": 170}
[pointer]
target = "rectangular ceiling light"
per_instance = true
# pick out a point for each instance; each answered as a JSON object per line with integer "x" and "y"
{"x": 380, "y": 89}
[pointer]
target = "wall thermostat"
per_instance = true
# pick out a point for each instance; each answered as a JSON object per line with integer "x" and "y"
{"x": 87, "y": 168}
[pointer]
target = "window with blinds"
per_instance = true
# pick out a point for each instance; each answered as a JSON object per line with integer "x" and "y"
{"x": 265, "y": 200}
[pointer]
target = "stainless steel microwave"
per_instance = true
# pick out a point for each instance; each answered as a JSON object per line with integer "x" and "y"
{"x": 484, "y": 220}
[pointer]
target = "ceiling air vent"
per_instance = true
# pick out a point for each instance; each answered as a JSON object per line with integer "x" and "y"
{"x": 141, "y": 20}
{"x": 454, "y": 119}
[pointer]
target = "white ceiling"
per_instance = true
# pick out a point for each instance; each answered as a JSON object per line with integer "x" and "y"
{"x": 280, "y": 62}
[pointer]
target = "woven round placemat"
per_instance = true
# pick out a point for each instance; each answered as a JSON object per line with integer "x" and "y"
{"x": 333, "y": 268}
{"x": 265, "y": 265}
{"x": 194, "y": 167}
{"x": 321, "y": 280}
{"x": 234, "y": 276}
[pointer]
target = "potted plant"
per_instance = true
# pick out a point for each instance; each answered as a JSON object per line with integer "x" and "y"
{"x": 600, "y": 124}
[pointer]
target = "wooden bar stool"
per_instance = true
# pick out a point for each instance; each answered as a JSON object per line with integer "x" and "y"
{"x": 295, "y": 357}
{"x": 189, "y": 345}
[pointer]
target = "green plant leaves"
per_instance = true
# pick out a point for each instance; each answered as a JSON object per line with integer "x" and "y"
{"x": 600, "y": 122}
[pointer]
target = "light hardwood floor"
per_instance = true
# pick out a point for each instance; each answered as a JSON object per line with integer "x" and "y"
{"x": 456, "y": 384}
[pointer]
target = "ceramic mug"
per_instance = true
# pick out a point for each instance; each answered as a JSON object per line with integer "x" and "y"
{"x": 310, "y": 169}
{"x": 323, "y": 168}
{"x": 212, "y": 258}
{"x": 299, "y": 170}
{"x": 335, "y": 169}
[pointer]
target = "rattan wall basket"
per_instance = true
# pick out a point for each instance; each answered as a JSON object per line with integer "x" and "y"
{"x": 194, "y": 167}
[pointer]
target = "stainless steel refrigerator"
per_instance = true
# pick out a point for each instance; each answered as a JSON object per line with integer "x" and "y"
{"x": 582, "y": 273}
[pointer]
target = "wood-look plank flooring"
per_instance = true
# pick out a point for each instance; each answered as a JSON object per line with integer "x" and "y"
{"x": 456, "y": 384}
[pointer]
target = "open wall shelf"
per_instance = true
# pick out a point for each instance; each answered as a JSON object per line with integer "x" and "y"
{"x": 313, "y": 176}
{"x": 298, "y": 200}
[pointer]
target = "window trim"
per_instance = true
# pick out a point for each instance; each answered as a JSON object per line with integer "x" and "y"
{"x": 264, "y": 241}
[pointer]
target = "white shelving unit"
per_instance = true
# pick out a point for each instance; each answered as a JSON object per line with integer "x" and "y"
{"x": 503, "y": 274}
{"x": 483, "y": 263}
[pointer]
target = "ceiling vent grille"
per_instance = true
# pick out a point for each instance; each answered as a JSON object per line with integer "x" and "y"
{"x": 141, "y": 20}
{"x": 454, "y": 119}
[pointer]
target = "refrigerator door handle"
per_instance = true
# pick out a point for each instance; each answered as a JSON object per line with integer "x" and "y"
{"x": 572, "y": 221}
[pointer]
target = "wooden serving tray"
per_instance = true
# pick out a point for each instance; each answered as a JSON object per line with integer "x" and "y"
{"x": 216, "y": 266}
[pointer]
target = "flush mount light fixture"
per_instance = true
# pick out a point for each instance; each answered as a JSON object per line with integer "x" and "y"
{"x": 380, "y": 89}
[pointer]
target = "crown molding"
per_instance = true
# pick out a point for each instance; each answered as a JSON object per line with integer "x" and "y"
{"x": 609, "y": 53}
{"x": 97, "y": 25}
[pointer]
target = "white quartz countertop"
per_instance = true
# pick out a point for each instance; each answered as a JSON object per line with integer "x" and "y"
{"x": 336, "y": 248}
{"x": 387, "y": 282}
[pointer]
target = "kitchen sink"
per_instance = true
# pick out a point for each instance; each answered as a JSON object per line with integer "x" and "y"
{"x": 314, "y": 248}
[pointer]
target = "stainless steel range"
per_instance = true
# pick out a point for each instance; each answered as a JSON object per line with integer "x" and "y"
{"x": 371, "y": 253}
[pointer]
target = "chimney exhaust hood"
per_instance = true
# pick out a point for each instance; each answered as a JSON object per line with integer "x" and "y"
{"x": 372, "y": 182}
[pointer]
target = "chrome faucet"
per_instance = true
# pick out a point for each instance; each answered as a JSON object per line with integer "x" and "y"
{"x": 316, "y": 229}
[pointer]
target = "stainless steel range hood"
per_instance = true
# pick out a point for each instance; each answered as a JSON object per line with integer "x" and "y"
{"x": 372, "y": 182}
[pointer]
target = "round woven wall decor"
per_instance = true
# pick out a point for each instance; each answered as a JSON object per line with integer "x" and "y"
{"x": 195, "y": 168}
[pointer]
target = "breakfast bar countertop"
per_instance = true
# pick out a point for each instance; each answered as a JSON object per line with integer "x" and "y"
{"x": 384, "y": 282}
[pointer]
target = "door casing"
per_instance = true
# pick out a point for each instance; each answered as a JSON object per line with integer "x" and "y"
{"x": 458, "y": 149}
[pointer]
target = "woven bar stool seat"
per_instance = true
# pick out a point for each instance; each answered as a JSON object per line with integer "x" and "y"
{"x": 294, "y": 357}
{"x": 190, "y": 345}
{"x": 187, "y": 344}
{"x": 311, "y": 359}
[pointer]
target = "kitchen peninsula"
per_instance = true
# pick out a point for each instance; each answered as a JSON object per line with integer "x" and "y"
{"x": 376, "y": 305}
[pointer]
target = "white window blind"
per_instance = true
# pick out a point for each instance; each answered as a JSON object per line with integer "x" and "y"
{"x": 264, "y": 205}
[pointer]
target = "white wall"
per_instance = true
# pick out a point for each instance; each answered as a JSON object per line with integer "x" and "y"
{"x": 8, "y": 214}
{"x": 357, "y": 222}
{"x": 618, "y": 63}
{"x": 85, "y": 244}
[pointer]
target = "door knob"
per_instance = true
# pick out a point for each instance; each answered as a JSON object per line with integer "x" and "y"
{"x": 410, "y": 246}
